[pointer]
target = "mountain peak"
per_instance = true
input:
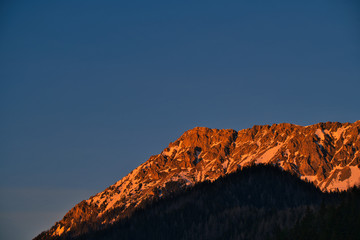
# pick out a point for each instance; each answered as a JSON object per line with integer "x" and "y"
{"x": 326, "y": 154}
{"x": 203, "y": 137}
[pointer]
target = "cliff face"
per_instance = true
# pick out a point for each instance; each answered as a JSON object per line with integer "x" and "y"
{"x": 326, "y": 154}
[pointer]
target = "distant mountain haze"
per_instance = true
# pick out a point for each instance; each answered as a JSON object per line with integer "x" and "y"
{"x": 325, "y": 154}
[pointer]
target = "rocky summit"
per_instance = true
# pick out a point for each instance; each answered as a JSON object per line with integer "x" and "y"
{"x": 326, "y": 154}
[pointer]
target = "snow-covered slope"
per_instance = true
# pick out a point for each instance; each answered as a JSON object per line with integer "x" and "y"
{"x": 326, "y": 154}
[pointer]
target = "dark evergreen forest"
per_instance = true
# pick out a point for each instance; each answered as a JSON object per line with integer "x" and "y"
{"x": 258, "y": 202}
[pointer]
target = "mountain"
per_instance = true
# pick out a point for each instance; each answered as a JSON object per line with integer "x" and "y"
{"x": 326, "y": 154}
{"x": 253, "y": 203}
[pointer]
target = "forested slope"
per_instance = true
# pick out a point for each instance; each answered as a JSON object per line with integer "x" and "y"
{"x": 258, "y": 202}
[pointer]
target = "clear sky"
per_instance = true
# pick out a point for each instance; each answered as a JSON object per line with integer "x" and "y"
{"x": 91, "y": 89}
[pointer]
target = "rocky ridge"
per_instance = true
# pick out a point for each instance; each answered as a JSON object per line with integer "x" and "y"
{"x": 326, "y": 154}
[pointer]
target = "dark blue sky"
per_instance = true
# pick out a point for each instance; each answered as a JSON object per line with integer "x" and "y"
{"x": 90, "y": 89}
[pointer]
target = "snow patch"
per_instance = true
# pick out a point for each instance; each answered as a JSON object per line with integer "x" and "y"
{"x": 309, "y": 178}
{"x": 59, "y": 230}
{"x": 225, "y": 164}
{"x": 215, "y": 144}
{"x": 339, "y": 132}
{"x": 170, "y": 151}
{"x": 353, "y": 180}
{"x": 269, "y": 154}
{"x": 320, "y": 134}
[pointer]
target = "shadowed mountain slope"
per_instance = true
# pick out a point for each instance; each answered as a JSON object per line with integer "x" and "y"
{"x": 249, "y": 204}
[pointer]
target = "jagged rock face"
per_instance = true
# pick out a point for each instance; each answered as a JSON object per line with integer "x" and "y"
{"x": 326, "y": 154}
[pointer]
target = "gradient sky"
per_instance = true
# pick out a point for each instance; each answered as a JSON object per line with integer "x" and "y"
{"x": 91, "y": 89}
